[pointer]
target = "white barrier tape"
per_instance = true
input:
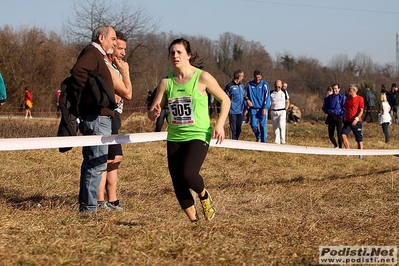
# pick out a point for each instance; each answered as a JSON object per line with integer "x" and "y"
{"x": 256, "y": 146}
{"x": 78, "y": 141}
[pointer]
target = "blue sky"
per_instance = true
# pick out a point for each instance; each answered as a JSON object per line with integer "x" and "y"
{"x": 319, "y": 29}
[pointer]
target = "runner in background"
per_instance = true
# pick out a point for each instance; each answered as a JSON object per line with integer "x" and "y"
{"x": 57, "y": 102}
{"x": 28, "y": 103}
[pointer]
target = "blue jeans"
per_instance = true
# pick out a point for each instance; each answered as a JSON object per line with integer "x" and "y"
{"x": 385, "y": 130}
{"x": 259, "y": 124}
{"x": 94, "y": 161}
{"x": 160, "y": 119}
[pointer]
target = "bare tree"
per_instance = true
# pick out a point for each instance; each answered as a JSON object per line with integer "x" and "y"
{"x": 256, "y": 57}
{"x": 339, "y": 65}
{"x": 363, "y": 65}
{"x": 135, "y": 22}
{"x": 229, "y": 51}
{"x": 34, "y": 58}
{"x": 388, "y": 70}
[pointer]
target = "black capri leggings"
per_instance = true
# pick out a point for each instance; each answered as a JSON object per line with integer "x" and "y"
{"x": 185, "y": 160}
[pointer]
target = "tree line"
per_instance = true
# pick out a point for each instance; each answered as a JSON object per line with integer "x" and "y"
{"x": 40, "y": 60}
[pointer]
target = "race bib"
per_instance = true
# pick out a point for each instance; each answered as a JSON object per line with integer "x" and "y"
{"x": 181, "y": 111}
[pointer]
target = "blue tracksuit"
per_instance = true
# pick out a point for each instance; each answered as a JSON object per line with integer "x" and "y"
{"x": 259, "y": 95}
{"x": 236, "y": 94}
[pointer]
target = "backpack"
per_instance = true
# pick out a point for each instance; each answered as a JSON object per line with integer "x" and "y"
{"x": 69, "y": 104}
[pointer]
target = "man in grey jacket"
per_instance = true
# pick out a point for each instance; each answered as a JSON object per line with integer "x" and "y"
{"x": 369, "y": 102}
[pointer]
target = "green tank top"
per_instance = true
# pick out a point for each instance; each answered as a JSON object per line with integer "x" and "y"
{"x": 189, "y": 116}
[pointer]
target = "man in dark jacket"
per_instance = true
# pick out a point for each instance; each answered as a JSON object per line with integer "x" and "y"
{"x": 334, "y": 107}
{"x": 369, "y": 101}
{"x": 96, "y": 120}
{"x": 393, "y": 102}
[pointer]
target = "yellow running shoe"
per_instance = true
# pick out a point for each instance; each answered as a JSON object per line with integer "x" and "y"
{"x": 207, "y": 207}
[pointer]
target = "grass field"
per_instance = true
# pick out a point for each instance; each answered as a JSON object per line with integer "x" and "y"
{"x": 272, "y": 208}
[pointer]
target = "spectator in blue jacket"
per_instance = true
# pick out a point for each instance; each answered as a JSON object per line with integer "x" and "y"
{"x": 235, "y": 91}
{"x": 333, "y": 106}
{"x": 258, "y": 100}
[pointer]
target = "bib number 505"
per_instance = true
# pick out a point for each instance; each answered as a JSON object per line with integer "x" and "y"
{"x": 180, "y": 109}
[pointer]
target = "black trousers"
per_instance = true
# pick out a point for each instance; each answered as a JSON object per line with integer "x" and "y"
{"x": 185, "y": 160}
{"x": 335, "y": 123}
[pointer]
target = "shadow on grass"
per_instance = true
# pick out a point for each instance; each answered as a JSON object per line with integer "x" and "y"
{"x": 337, "y": 177}
{"x": 151, "y": 194}
{"x": 14, "y": 198}
{"x": 300, "y": 179}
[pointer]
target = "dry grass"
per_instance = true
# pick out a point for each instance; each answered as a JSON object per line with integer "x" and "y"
{"x": 272, "y": 208}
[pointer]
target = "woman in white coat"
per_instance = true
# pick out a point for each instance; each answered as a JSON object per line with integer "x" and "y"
{"x": 384, "y": 116}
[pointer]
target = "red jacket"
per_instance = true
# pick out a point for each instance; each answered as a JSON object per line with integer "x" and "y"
{"x": 28, "y": 96}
